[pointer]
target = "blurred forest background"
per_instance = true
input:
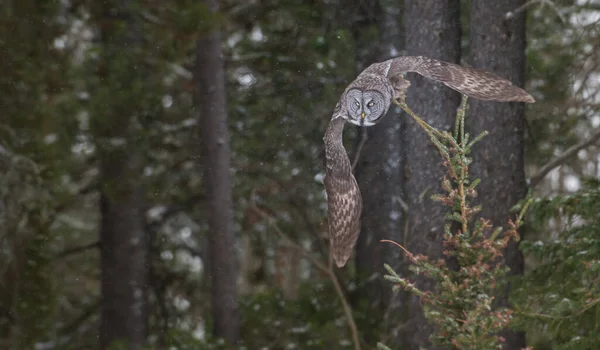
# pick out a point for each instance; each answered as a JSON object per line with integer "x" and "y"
{"x": 161, "y": 169}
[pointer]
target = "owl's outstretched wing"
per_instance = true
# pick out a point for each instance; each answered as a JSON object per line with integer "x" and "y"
{"x": 344, "y": 202}
{"x": 343, "y": 195}
{"x": 472, "y": 82}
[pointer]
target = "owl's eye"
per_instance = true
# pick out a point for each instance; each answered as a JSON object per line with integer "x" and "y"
{"x": 371, "y": 104}
{"x": 357, "y": 103}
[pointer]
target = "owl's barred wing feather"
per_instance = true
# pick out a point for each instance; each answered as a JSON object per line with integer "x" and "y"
{"x": 344, "y": 202}
{"x": 472, "y": 82}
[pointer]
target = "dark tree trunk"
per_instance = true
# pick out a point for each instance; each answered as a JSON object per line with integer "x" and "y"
{"x": 124, "y": 242}
{"x": 379, "y": 172}
{"x": 366, "y": 19}
{"x": 498, "y": 45}
{"x": 432, "y": 29}
{"x": 124, "y": 252}
{"x": 211, "y": 100}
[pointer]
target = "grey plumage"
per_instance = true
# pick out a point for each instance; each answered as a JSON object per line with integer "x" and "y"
{"x": 364, "y": 102}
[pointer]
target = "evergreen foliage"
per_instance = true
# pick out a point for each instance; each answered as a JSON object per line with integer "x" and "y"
{"x": 558, "y": 301}
{"x": 461, "y": 306}
{"x": 286, "y": 62}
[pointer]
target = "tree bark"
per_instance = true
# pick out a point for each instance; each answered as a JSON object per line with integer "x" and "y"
{"x": 211, "y": 100}
{"x": 124, "y": 254}
{"x": 379, "y": 172}
{"x": 498, "y": 45}
{"x": 123, "y": 240}
{"x": 432, "y": 29}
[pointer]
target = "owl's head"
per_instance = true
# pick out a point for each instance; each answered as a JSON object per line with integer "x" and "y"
{"x": 365, "y": 108}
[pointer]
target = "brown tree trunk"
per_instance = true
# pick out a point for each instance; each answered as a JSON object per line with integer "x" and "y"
{"x": 498, "y": 45}
{"x": 211, "y": 101}
{"x": 432, "y": 29}
{"x": 124, "y": 242}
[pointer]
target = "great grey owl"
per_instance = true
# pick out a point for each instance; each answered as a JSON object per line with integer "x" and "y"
{"x": 364, "y": 102}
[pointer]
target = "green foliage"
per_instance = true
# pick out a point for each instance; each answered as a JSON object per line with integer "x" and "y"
{"x": 59, "y": 73}
{"x": 35, "y": 112}
{"x": 560, "y": 296}
{"x": 562, "y": 49}
{"x": 27, "y": 298}
{"x": 34, "y": 125}
{"x": 461, "y": 306}
{"x": 315, "y": 320}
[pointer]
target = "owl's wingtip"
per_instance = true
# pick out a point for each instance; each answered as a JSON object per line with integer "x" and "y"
{"x": 528, "y": 99}
{"x": 524, "y": 96}
{"x": 520, "y": 95}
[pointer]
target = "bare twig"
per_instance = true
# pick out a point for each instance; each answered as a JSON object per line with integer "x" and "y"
{"x": 299, "y": 208}
{"x": 588, "y": 306}
{"x": 321, "y": 266}
{"x": 397, "y": 244}
{"x": 550, "y": 3}
{"x": 79, "y": 249}
{"x": 345, "y": 304}
{"x": 363, "y": 139}
{"x": 297, "y": 246}
{"x": 403, "y": 204}
{"x": 88, "y": 312}
{"x": 544, "y": 170}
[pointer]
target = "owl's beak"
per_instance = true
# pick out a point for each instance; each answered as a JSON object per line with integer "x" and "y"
{"x": 362, "y": 115}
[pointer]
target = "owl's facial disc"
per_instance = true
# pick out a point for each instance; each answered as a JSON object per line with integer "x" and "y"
{"x": 365, "y": 108}
{"x": 375, "y": 107}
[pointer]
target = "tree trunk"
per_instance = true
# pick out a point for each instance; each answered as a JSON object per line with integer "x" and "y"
{"x": 379, "y": 173}
{"x": 124, "y": 253}
{"x": 432, "y": 29}
{"x": 498, "y": 45}
{"x": 124, "y": 242}
{"x": 211, "y": 100}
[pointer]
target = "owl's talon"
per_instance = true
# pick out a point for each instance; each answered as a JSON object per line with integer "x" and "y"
{"x": 400, "y": 99}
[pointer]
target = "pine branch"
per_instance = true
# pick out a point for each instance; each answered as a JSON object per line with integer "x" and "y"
{"x": 460, "y": 308}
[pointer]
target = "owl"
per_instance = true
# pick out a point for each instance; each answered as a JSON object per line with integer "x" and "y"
{"x": 364, "y": 102}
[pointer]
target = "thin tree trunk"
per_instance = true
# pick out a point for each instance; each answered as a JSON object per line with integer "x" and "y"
{"x": 432, "y": 29}
{"x": 211, "y": 100}
{"x": 498, "y": 45}
{"x": 124, "y": 242}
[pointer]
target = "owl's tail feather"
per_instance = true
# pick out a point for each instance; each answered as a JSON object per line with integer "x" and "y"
{"x": 343, "y": 236}
{"x": 340, "y": 257}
